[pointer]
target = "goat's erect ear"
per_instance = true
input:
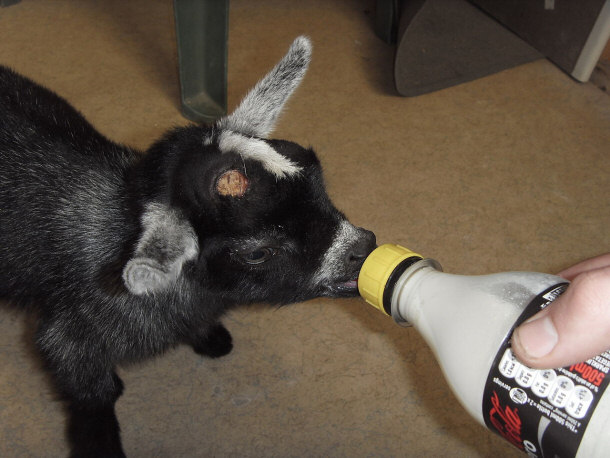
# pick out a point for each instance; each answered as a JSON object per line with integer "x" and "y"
{"x": 259, "y": 110}
{"x": 166, "y": 243}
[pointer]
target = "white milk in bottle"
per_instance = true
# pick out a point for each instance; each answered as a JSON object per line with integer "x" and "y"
{"x": 468, "y": 321}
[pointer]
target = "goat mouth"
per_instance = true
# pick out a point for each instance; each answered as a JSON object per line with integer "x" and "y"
{"x": 345, "y": 288}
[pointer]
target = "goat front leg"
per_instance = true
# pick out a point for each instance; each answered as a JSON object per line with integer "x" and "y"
{"x": 213, "y": 341}
{"x": 93, "y": 428}
{"x": 90, "y": 390}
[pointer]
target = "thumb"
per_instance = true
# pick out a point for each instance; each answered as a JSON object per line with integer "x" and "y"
{"x": 574, "y": 328}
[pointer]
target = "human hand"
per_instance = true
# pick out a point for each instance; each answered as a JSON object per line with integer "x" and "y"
{"x": 573, "y": 328}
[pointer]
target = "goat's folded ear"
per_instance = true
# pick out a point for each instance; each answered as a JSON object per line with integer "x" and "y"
{"x": 167, "y": 242}
{"x": 259, "y": 110}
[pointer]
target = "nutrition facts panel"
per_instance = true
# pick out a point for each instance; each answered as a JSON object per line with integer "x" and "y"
{"x": 562, "y": 388}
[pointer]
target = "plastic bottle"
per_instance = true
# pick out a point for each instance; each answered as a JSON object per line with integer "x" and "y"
{"x": 468, "y": 321}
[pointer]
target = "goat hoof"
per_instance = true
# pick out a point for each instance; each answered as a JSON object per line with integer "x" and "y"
{"x": 218, "y": 342}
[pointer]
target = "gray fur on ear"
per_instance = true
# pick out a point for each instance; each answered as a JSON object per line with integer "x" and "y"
{"x": 167, "y": 242}
{"x": 259, "y": 110}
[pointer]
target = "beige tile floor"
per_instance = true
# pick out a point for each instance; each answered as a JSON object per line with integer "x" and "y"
{"x": 509, "y": 172}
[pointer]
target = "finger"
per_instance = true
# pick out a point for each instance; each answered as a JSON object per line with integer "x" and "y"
{"x": 572, "y": 329}
{"x": 590, "y": 264}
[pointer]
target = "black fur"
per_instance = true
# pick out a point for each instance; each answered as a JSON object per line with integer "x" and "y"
{"x": 124, "y": 255}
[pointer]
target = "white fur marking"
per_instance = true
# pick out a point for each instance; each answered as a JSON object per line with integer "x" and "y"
{"x": 259, "y": 150}
{"x": 334, "y": 258}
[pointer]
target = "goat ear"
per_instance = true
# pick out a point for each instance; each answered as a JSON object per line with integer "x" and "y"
{"x": 259, "y": 110}
{"x": 167, "y": 242}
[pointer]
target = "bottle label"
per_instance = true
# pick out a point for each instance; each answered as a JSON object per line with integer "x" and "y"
{"x": 543, "y": 412}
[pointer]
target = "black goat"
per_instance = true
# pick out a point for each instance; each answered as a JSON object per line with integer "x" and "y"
{"x": 124, "y": 255}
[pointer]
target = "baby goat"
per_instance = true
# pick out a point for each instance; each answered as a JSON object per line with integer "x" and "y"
{"x": 124, "y": 255}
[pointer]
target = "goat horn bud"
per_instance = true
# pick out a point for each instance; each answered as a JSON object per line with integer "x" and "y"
{"x": 232, "y": 183}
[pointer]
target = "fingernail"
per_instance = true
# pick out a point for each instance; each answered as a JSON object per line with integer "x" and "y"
{"x": 537, "y": 337}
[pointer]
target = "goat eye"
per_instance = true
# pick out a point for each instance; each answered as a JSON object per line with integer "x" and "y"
{"x": 258, "y": 256}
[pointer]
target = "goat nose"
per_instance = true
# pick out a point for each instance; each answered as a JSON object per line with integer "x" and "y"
{"x": 362, "y": 247}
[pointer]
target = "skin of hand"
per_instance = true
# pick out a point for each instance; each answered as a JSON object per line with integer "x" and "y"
{"x": 573, "y": 328}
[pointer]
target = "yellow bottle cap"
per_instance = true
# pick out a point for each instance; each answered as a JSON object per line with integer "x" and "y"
{"x": 377, "y": 270}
